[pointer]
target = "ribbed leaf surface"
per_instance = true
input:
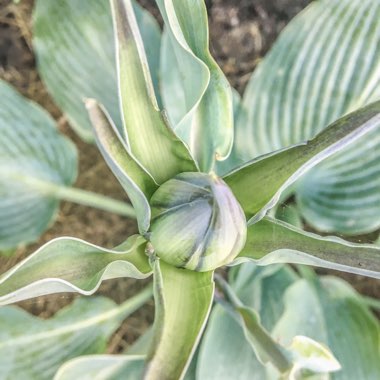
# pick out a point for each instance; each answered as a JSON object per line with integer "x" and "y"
{"x": 32, "y": 348}
{"x": 31, "y": 151}
{"x": 343, "y": 194}
{"x": 330, "y": 311}
{"x": 74, "y": 43}
{"x": 325, "y": 64}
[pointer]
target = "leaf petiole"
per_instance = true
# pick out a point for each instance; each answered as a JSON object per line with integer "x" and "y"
{"x": 76, "y": 195}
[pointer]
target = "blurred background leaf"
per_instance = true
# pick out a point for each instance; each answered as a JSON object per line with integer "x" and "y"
{"x": 325, "y": 64}
{"x": 33, "y": 348}
{"x": 32, "y": 154}
{"x": 326, "y": 309}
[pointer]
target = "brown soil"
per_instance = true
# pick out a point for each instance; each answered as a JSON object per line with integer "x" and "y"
{"x": 241, "y": 33}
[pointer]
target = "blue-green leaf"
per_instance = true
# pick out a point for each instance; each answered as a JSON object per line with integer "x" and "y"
{"x": 324, "y": 65}
{"x": 33, "y": 156}
{"x": 102, "y": 367}
{"x": 224, "y": 352}
{"x": 32, "y": 348}
{"x": 330, "y": 311}
{"x": 343, "y": 194}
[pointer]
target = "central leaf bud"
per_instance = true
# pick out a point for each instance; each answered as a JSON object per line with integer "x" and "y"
{"x": 197, "y": 223}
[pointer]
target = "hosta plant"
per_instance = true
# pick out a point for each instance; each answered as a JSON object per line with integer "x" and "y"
{"x": 193, "y": 219}
{"x": 324, "y": 65}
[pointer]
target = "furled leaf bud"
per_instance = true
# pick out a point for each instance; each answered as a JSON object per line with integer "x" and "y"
{"x": 197, "y": 222}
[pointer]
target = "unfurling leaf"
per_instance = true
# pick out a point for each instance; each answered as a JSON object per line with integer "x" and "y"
{"x": 195, "y": 91}
{"x": 310, "y": 357}
{"x": 330, "y": 311}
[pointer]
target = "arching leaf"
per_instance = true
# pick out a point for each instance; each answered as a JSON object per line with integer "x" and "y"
{"x": 272, "y": 241}
{"x": 137, "y": 183}
{"x": 72, "y": 265}
{"x": 183, "y": 301}
{"x": 259, "y": 184}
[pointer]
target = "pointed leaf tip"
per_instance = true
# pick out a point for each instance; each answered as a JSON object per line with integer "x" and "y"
{"x": 137, "y": 183}
{"x": 75, "y": 51}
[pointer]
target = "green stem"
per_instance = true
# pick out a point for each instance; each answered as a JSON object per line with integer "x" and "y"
{"x": 80, "y": 196}
{"x": 88, "y": 198}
